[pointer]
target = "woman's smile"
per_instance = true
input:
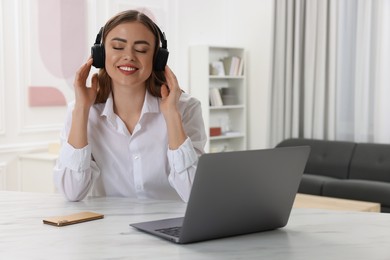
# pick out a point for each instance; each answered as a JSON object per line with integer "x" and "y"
{"x": 127, "y": 69}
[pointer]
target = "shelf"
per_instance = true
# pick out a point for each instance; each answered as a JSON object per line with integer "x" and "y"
{"x": 226, "y": 77}
{"x": 227, "y": 107}
{"x": 228, "y": 136}
{"x": 232, "y": 90}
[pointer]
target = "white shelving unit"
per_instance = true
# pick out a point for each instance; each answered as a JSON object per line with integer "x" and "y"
{"x": 231, "y": 116}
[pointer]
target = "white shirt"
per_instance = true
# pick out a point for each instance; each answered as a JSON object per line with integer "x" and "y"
{"x": 139, "y": 165}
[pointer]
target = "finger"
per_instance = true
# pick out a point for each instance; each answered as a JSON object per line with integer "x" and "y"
{"x": 164, "y": 91}
{"x": 83, "y": 72}
{"x": 94, "y": 82}
{"x": 86, "y": 68}
{"x": 169, "y": 73}
{"x": 171, "y": 79}
{"x": 86, "y": 65}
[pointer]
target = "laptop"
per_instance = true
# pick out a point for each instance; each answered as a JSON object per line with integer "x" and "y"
{"x": 236, "y": 193}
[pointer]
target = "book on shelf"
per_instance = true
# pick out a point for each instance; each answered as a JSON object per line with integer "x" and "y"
{"x": 215, "y": 97}
{"x": 241, "y": 68}
{"x": 233, "y": 65}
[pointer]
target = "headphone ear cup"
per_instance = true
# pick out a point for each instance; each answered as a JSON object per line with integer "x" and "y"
{"x": 98, "y": 55}
{"x": 161, "y": 59}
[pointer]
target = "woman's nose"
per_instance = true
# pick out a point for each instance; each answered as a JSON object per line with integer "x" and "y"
{"x": 130, "y": 55}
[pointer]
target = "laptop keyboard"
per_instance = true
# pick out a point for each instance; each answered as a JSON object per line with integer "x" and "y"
{"x": 172, "y": 231}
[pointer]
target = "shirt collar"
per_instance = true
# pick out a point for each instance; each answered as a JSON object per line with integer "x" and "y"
{"x": 151, "y": 105}
{"x": 108, "y": 110}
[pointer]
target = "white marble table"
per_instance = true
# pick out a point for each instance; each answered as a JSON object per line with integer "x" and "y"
{"x": 310, "y": 233}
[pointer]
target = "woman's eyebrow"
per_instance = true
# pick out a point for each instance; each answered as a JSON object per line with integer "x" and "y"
{"x": 125, "y": 41}
{"x": 142, "y": 42}
{"x": 119, "y": 39}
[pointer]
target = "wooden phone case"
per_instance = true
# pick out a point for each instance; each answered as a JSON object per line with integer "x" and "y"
{"x": 72, "y": 219}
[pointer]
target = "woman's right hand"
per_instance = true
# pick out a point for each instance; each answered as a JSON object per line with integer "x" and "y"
{"x": 85, "y": 96}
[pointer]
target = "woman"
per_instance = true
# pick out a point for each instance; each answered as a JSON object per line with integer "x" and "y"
{"x": 133, "y": 133}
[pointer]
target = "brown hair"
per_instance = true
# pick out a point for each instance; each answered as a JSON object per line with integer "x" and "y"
{"x": 156, "y": 79}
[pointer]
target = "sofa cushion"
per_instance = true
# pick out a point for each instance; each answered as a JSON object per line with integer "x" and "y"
{"x": 327, "y": 158}
{"x": 313, "y": 184}
{"x": 363, "y": 190}
{"x": 371, "y": 162}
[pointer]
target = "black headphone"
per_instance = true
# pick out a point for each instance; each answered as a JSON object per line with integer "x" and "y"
{"x": 99, "y": 55}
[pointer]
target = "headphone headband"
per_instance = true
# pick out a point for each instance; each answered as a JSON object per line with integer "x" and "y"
{"x": 99, "y": 36}
{"x": 163, "y": 39}
{"x": 99, "y": 55}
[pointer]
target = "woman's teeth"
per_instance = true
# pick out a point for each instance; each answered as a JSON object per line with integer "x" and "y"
{"x": 127, "y": 68}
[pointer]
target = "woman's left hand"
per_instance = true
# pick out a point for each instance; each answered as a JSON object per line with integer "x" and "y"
{"x": 170, "y": 93}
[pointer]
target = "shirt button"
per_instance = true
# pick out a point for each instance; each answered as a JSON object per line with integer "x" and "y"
{"x": 136, "y": 157}
{"x": 139, "y": 187}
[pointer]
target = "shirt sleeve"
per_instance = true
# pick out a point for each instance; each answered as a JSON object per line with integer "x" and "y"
{"x": 183, "y": 161}
{"x": 75, "y": 170}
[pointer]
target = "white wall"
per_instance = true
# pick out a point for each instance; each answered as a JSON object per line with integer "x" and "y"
{"x": 23, "y": 129}
{"x": 245, "y": 23}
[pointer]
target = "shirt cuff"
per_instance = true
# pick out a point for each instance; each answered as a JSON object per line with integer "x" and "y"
{"x": 183, "y": 157}
{"x": 75, "y": 159}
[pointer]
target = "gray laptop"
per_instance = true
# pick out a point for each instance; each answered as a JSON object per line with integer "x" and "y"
{"x": 236, "y": 193}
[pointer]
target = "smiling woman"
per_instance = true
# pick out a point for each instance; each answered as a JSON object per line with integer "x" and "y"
{"x": 70, "y": 28}
{"x": 133, "y": 133}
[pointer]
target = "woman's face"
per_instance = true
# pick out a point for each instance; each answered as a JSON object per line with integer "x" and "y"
{"x": 129, "y": 54}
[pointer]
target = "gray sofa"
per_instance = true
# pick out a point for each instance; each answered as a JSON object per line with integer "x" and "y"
{"x": 358, "y": 171}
